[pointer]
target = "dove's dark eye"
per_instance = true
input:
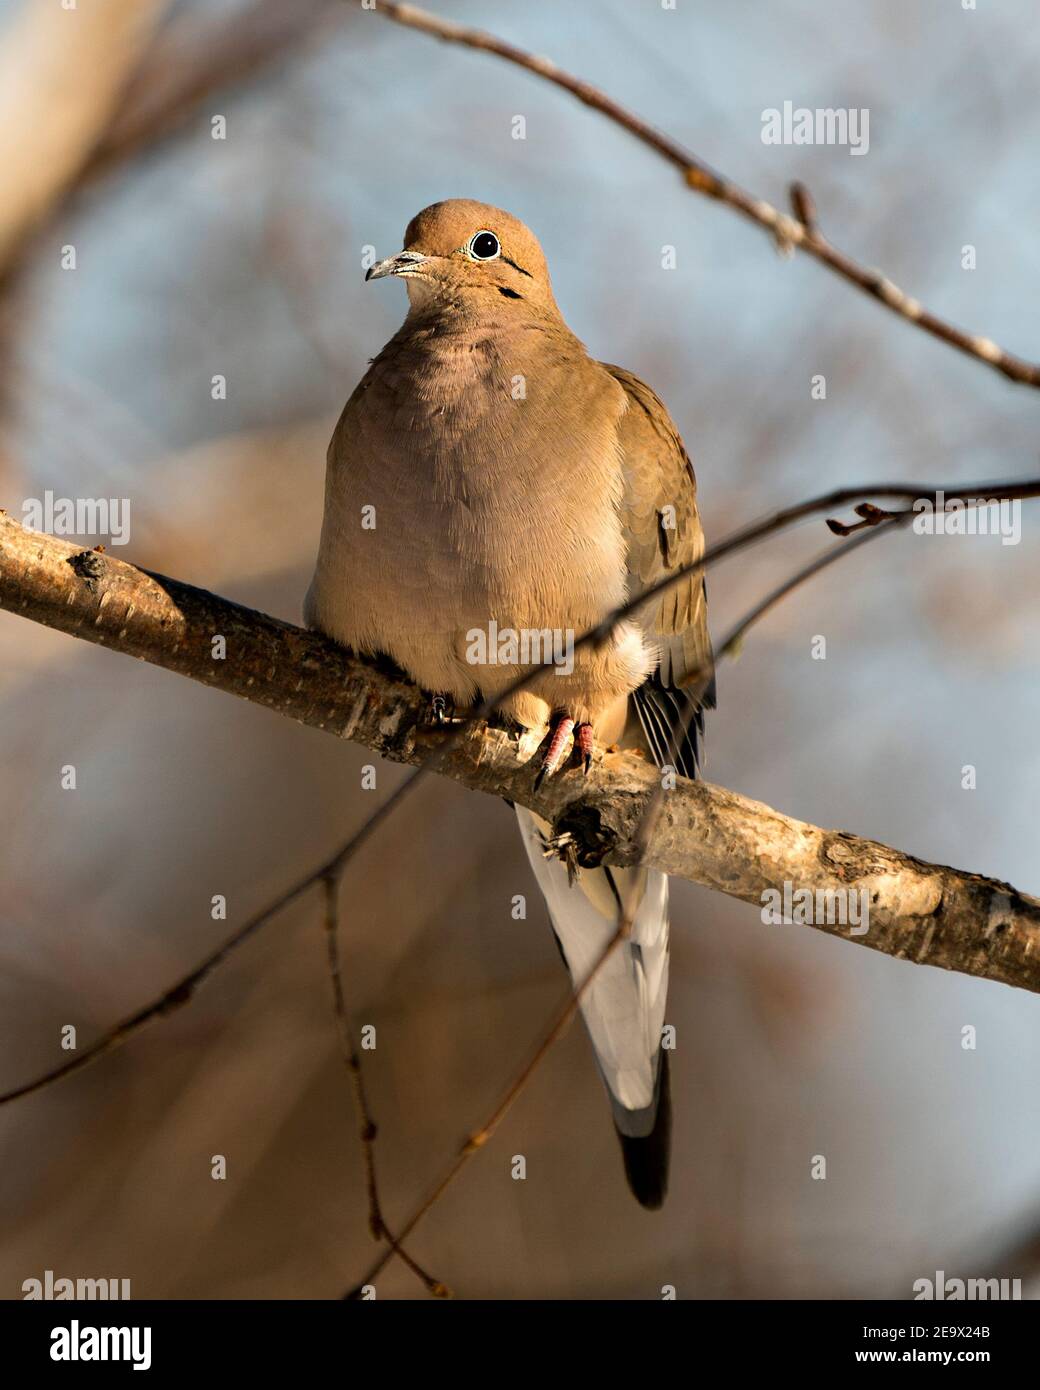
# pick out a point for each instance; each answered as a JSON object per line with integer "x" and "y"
{"x": 484, "y": 246}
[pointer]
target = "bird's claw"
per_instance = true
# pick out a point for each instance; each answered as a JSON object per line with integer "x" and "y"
{"x": 585, "y": 740}
{"x": 561, "y": 727}
{"x": 441, "y": 711}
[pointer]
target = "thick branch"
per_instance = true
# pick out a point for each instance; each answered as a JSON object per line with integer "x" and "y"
{"x": 922, "y": 912}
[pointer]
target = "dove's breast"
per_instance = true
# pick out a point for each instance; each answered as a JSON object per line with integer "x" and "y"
{"x": 474, "y": 484}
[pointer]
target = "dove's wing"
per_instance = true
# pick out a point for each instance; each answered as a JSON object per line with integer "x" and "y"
{"x": 663, "y": 531}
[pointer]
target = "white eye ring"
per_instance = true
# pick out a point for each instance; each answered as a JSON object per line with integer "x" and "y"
{"x": 484, "y": 254}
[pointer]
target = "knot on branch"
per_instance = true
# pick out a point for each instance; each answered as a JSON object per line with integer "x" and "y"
{"x": 89, "y": 565}
{"x": 803, "y": 205}
{"x": 590, "y": 837}
{"x": 843, "y": 855}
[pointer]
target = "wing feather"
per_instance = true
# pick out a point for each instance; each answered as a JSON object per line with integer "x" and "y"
{"x": 664, "y": 533}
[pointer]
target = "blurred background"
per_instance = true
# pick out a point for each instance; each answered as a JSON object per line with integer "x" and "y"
{"x": 242, "y": 257}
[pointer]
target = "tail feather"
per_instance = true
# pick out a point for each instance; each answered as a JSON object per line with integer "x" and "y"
{"x": 623, "y": 1007}
{"x": 646, "y": 1156}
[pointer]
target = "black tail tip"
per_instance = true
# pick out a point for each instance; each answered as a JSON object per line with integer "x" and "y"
{"x": 646, "y": 1158}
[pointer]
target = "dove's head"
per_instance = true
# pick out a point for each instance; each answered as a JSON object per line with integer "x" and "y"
{"x": 461, "y": 251}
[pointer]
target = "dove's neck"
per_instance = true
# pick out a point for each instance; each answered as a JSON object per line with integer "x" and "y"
{"x": 466, "y": 312}
{"x": 455, "y": 355}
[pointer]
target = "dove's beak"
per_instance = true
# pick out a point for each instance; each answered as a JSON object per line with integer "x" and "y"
{"x": 404, "y": 263}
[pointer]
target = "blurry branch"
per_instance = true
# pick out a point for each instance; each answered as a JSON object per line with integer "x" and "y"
{"x": 83, "y": 91}
{"x": 799, "y": 231}
{"x": 197, "y": 59}
{"x": 61, "y": 74}
{"x": 183, "y": 990}
{"x": 352, "y": 1058}
{"x": 923, "y": 912}
{"x": 119, "y": 93}
{"x": 476, "y": 1140}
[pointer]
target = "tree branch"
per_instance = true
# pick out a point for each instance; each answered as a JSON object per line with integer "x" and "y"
{"x": 922, "y": 912}
{"x": 368, "y": 1130}
{"x": 800, "y": 231}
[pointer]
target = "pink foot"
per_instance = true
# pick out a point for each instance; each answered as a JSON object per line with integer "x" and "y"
{"x": 560, "y": 727}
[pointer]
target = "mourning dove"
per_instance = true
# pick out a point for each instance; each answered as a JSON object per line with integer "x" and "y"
{"x": 488, "y": 477}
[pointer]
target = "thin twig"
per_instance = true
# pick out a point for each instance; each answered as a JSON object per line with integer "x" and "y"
{"x": 368, "y": 1130}
{"x": 181, "y": 992}
{"x": 973, "y": 496}
{"x": 699, "y": 679}
{"x": 800, "y": 231}
{"x": 480, "y": 1137}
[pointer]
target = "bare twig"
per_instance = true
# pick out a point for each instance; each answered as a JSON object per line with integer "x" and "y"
{"x": 368, "y": 1130}
{"x": 184, "y": 989}
{"x": 800, "y": 231}
{"x": 976, "y": 495}
{"x": 480, "y": 1136}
